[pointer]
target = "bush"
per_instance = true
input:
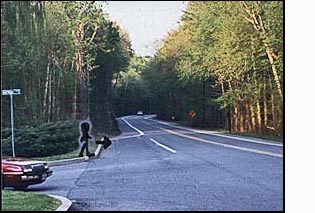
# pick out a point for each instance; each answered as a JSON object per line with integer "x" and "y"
{"x": 45, "y": 140}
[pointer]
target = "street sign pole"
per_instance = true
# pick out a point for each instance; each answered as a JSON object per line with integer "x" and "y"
{"x": 11, "y": 93}
{"x": 192, "y": 114}
{"x": 12, "y": 125}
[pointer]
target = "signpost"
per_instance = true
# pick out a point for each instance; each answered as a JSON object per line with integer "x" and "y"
{"x": 192, "y": 114}
{"x": 11, "y": 93}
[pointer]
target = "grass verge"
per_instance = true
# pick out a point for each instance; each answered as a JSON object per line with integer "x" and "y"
{"x": 28, "y": 201}
{"x": 73, "y": 154}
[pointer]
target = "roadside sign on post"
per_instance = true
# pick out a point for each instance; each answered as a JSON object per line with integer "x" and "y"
{"x": 12, "y": 92}
{"x": 192, "y": 114}
{"x": 6, "y": 92}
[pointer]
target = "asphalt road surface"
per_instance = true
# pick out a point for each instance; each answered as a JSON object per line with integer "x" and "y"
{"x": 157, "y": 166}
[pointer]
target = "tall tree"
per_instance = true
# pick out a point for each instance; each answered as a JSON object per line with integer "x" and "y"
{"x": 51, "y": 50}
{"x": 235, "y": 50}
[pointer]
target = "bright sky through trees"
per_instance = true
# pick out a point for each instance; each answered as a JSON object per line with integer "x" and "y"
{"x": 146, "y": 21}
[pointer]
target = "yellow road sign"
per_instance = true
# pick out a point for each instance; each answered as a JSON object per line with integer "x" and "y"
{"x": 192, "y": 113}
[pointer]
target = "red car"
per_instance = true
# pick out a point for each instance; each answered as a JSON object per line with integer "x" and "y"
{"x": 21, "y": 172}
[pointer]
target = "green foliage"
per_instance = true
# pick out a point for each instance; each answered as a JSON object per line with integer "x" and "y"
{"x": 129, "y": 90}
{"x": 47, "y": 139}
{"x": 226, "y": 46}
{"x": 44, "y": 48}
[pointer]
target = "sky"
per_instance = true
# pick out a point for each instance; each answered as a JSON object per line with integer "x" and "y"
{"x": 147, "y": 22}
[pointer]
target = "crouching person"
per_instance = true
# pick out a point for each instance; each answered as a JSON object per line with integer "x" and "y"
{"x": 105, "y": 141}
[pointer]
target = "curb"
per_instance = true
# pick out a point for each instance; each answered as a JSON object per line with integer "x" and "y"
{"x": 98, "y": 152}
{"x": 65, "y": 203}
{"x": 67, "y": 161}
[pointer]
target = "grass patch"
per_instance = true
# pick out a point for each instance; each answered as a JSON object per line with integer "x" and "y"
{"x": 73, "y": 154}
{"x": 27, "y": 201}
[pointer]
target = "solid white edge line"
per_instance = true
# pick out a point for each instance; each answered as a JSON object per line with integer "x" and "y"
{"x": 125, "y": 137}
{"x": 139, "y": 131}
{"x": 199, "y": 139}
{"x": 218, "y": 134}
{"x": 226, "y": 145}
{"x": 163, "y": 146}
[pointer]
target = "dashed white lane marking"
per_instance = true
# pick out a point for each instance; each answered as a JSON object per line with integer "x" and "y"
{"x": 202, "y": 140}
{"x": 163, "y": 146}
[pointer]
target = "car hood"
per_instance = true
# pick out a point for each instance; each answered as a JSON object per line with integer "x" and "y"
{"x": 20, "y": 161}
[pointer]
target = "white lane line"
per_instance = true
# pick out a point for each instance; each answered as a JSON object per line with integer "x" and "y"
{"x": 139, "y": 131}
{"x": 163, "y": 146}
{"x": 218, "y": 134}
{"x": 125, "y": 137}
{"x": 247, "y": 140}
{"x": 225, "y": 145}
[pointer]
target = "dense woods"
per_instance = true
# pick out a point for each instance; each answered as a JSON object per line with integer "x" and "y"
{"x": 225, "y": 63}
{"x": 62, "y": 55}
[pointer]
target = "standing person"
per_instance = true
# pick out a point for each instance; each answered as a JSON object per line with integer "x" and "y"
{"x": 84, "y": 138}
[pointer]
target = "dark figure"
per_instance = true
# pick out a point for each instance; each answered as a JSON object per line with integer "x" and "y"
{"x": 85, "y": 127}
{"x": 105, "y": 141}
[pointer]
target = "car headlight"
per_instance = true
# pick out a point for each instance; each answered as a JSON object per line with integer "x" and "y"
{"x": 27, "y": 169}
{"x": 46, "y": 166}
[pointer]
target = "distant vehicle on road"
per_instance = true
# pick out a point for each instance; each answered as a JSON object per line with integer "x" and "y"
{"x": 20, "y": 172}
{"x": 140, "y": 112}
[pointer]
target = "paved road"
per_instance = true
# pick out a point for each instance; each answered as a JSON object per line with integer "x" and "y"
{"x": 157, "y": 166}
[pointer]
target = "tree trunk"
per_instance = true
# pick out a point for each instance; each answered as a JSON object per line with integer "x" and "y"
{"x": 75, "y": 102}
{"x": 227, "y": 119}
{"x": 260, "y": 28}
{"x": 204, "y": 104}
{"x": 265, "y": 108}
{"x": 46, "y": 91}
{"x": 280, "y": 122}
{"x": 82, "y": 73}
{"x": 274, "y": 114}
{"x": 53, "y": 96}
{"x": 271, "y": 57}
{"x": 253, "y": 120}
{"x": 49, "y": 97}
{"x": 57, "y": 94}
{"x": 242, "y": 117}
{"x": 235, "y": 118}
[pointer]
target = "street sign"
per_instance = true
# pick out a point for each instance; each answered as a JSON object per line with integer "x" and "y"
{"x": 12, "y": 92}
{"x": 6, "y": 92}
{"x": 192, "y": 113}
